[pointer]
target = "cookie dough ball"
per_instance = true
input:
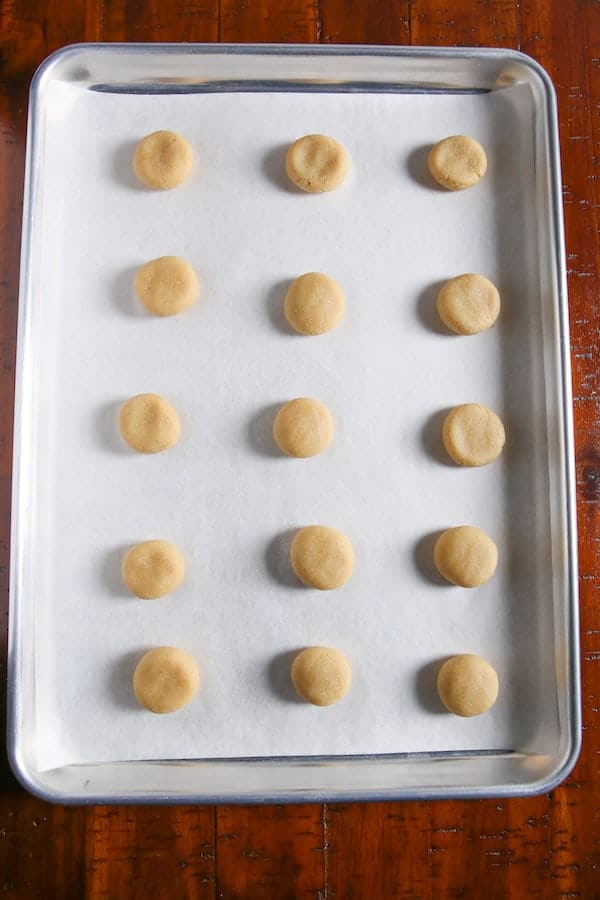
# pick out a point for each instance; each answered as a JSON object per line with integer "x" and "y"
{"x": 457, "y": 162}
{"x": 166, "y": 286}
{"x": 152, "y": 569}
{"x": 468, "y": 304}
{"x": 322, "y": 557}
{"x": 314, "y": 303}
{"x": 165, "y": 679}
{"x": 473, "y": 435}
{"x": 321, "y": 675}
{"x": 317, "y": 163}
{"x": 149, "y": 424}
{"x": 303, "y": 428}
{"x": 465, "y": 556}
{"x": 467, "y": 685}
{"x": 163, "y": 160}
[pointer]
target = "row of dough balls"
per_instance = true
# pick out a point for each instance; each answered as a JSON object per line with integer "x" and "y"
{"x": 315, "y": 303}
{"x": 321, "y": 557}
{"x": 167, "y": 679}
{"x": 315, "y": 163}
{"x": 472, "y": 434}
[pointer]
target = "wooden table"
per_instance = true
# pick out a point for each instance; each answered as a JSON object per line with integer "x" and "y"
{"x": 547, "y": 846}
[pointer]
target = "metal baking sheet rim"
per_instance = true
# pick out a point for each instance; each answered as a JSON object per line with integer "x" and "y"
{"x": 74, "y": 784}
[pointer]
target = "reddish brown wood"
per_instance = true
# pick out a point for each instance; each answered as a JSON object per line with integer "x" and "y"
{"x": 282, "y": 848}
{"x": 545, "y": 847}
{"x": 360, "y": 22}
{"x": 146, "y": 852}
{"x": 269, "y": 21}
{"x": 156, "y": 20}
{"x": 489, "y": 23}
{"x": 42, "y": 849}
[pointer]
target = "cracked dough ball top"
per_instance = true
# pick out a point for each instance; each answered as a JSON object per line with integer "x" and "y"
{"x": 163, "y": 160}
{"x": 314, "y": 303}
{"x": 165, "y": 679}
{"x": 166, "y": 286}
{"x": 321, "y": 675}
{"x": 465, "y": 556}
{"x": 149, "y": 424}
{"x": 303, "y": 428}
{"x": 473, "y": 435}
{"x": 467, "y": 685}
{"x": 468, "y": 304}
{"x": 317, "y": 163}
{"x": 322, "y": 557}
{"x": 152, "y": 569}
{"x": 457, "y": 162}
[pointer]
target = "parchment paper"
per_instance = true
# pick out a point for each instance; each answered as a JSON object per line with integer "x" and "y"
{"x": 224, "y": 495}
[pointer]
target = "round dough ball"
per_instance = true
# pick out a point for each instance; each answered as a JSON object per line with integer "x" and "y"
{"x": 467, "y": 685}
{"x": 165, "y": 679}
{"x": 473, "y": 435}
{"x": 314, "y": 303}
{"x": 166, "y": 286}
{"x": 322, "y": 557}
{"x": 321, "y": 675}
{"x": 465, "y": 556}
{"x": 457, "y": 162}
{"x": 317, "y": 163}
{"x": 468, "y": 304}
{"x": 152, "y": 569}
{"x": 149, "y": 424}
{"x": 303, "y": 428}
{"x": 163, "y": 160}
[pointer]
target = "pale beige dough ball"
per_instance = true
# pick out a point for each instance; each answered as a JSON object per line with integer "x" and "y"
{"x": 165, "y": 679}
{"x": 163, "y": 160}
{"x": 314, "y": 303}
{"x": 166, "y": 286}
{"x": 467, "y": 685}
{"x": 322, "y": 557}
{"x": 317, "y": 163}
{"x": 465, "y": 556}
{"x": 149, "y": 424}
{"x": 152, "y": 569}
{"x": 468, "y": 304}
{"x": 321, "y": 675}
{"x": 303, "y": 427}
{"x": 473, "y": 435}
{"x": 457, "y": 162}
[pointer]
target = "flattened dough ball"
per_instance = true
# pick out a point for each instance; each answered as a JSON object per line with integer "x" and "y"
{"x": 149, "y": 424}
{"x": 465, "y": 556}
{"x": 303, "y": 427}
{"x": 165, "y": 679}
{"x": 468, "y": 304}
{"x": 314, "y": 303}
{"x": 166, "y": 286}
{"x": 473, "y": 435}
{"x": 457, "y": 162}
{"x": 467, "y": 685}
{"x": 322, "y": 557}
{"x": 163, "y": 160}
{"x": 152, "y": 569}
{"x": 317, "y": 163}
{"x": 321, "y": 675}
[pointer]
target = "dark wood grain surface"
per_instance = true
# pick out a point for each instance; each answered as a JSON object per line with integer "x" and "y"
{"x": 547, "y": 846}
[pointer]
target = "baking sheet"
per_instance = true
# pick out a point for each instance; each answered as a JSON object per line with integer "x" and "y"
{"x": 223, "y": 495}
